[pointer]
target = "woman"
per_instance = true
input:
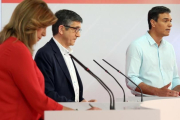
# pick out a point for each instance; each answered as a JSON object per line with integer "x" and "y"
{"x": 21, "y": 82}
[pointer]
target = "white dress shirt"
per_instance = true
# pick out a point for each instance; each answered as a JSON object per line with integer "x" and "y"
{"x": 65, "y": 53}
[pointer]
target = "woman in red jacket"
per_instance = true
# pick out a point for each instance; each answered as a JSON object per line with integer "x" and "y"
{"x": 22, "y": 94}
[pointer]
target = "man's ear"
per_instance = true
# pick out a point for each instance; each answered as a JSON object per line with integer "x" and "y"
{"x": 61, "y": 29}
{"x": 153, "y": 23}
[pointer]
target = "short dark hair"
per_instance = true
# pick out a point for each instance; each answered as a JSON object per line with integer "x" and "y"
{"x": 65, "y": 17}
{"x": 154, "y": 13}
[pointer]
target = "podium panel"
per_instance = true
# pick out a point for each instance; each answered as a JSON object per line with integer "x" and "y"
{"x": 103, "y": 115}
{"x": 124, "y": 111}
{"x": 169, "y": 108}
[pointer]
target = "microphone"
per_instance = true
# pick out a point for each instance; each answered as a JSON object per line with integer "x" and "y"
{"x": 113, "y": 77}
{"x": 112, "y": 102}
{"x": 126, "y": 78}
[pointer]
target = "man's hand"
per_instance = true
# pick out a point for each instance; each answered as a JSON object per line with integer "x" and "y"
{"x": 84, "y": 100}
{"x": 177, "y": 88}
{"x": 92, "y": 100}
{"x": 165, "y": 92}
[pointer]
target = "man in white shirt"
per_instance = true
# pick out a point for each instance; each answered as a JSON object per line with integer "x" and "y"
{"x": 62, "y": 81}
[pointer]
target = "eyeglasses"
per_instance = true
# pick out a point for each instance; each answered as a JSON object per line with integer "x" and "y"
{"x": 77, "y": 29}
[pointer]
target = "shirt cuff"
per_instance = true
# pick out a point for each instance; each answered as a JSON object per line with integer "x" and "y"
{"x": 175, "y": 82}
{"x": 130, "y": 85}
{"x": 59, "y": 107}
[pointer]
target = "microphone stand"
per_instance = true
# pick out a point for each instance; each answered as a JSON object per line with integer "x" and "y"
{"x": 113, "y": 77}
{"x": 112, "y": 101}
{"x": 126, "y": 78}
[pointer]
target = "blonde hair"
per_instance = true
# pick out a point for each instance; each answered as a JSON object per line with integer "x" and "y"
{"x": 27, "y": 17}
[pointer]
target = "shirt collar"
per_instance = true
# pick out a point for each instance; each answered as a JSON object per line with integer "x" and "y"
{"x": 152, "y": 41}
{"x": 63, "y": 50}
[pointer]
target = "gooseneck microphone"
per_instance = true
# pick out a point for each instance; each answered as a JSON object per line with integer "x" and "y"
{"x": 112, "y": 102}
{"x": 113, "y": 77}
{"x": 126, "y": 78}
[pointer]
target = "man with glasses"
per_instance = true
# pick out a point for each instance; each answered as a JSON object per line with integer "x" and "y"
{"x": 62, "y": 81}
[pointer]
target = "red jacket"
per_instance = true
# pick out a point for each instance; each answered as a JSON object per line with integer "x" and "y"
{"x": 22, "y": 94}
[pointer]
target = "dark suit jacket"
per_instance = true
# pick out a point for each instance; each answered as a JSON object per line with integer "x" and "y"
{"x": 58, "y": 83}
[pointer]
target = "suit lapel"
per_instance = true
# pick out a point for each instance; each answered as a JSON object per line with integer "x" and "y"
{"x": 60, "y": 60}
